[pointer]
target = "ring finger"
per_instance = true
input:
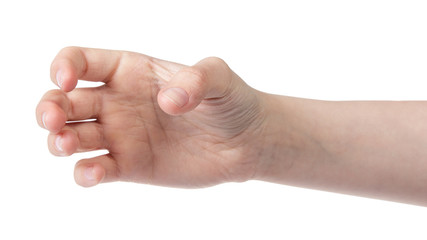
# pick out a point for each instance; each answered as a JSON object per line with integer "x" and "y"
{"x": 77, "y": 137}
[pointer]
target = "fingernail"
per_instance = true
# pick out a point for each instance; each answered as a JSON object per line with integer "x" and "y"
{"x": 59, "y": 78}
{"x": 44, "y": 120}
{"x": 89, "y": 174}
{"x": 58, "y": 143}
{"x": 177, "y": 95}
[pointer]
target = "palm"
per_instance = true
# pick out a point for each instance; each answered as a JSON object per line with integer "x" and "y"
{"x": 151, "y": 146}
{"x": 202, "y": 147}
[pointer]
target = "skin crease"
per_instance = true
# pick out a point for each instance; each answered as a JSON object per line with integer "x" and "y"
{"x": 214, "y": 128}
{"x": 203, "y": 147}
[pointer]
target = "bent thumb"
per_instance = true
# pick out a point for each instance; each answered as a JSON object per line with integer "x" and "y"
{"x": 209, "y": 78}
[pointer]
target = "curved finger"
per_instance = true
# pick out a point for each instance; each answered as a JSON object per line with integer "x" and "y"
{"x": 57, "y": 107}
{"x": 73, "y": 63}
{"x": 77, "y": 137}
{"x": 92, "y": 171}
{"x": 63, "y": 143}
{"x": 51, "y": 111}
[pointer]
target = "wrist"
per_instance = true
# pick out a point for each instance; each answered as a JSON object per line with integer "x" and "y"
{"x": 289, "y": 138}
{"x": 274, "y": 138}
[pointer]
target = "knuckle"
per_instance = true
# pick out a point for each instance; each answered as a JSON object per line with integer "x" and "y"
{"x": 54, "y": 94}
{"x": 67, "y": 54}
{"x": 57, "y": 97}
{"x": 216, "y": 61}
{"x": 218, "y": 66}
{"x": 70, "y": 50}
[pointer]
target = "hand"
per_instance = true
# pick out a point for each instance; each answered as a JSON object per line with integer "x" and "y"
{"x": 163, "y": 123}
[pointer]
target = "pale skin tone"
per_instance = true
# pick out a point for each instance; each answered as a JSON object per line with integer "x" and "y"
{"x": 169, "y": 124}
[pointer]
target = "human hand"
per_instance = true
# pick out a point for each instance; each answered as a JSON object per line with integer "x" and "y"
{"x": 162, "y": 123}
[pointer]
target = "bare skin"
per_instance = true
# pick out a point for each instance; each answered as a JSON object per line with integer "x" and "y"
{"x": 147, "y": 141}
{"x": 168, "y": 124}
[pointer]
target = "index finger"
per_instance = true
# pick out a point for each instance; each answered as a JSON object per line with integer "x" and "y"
{"x": 74, "y": 63}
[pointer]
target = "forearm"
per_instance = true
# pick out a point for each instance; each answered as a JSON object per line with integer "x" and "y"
{"x": 373, "y": 149}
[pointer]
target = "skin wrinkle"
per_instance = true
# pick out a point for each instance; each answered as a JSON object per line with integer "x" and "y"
{"x": 233, "y": 148}
{"x": 238, "y": 121}
{"x": 116, "y": 67}
{"x": 224, "y": 170}
{"x": 200, "y": 81}
{"x": 101, "y": 135}
{"x": 230, "y": 172}
{"x": 117, "y": 170}
{"x": 85, "y": 62}
{"x": 156, "y": 66}
{"x": 207, "y": 148}
{"x": 154, "y": 91}
{"x": 70, "y": 110}
{"x": 78, "y": 137}
{"x": 218, "y": 99}
{"x": 150, "y": 164}
{"x": 160, "y": 71}
{"x": 152, "y": 155}
{"x": 97, "y": 104}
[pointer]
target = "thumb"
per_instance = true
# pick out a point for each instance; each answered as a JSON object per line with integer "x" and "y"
{"x": 209, "y": 78}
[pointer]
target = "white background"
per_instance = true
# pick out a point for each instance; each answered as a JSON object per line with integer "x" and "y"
{"x": 332, "y": 50}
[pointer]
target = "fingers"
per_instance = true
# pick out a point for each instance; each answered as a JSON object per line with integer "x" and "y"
{"x": 209, "y": 78}
{"x": 73, "y": 63}
{"x": 77, "y": 137}
{"x": 90, "y": 172}
{"x": 57, "y": 107}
